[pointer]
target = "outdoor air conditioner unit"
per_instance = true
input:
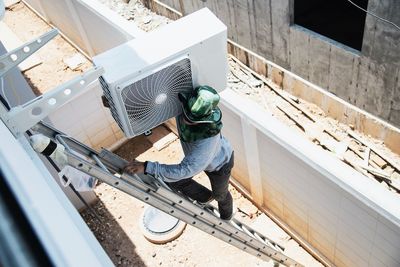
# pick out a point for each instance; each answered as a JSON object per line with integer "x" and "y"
{"x": 143, "y": 77}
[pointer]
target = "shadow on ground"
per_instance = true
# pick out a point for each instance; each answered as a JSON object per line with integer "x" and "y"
{"x": 133, "y": 147}
{"x": 112, "y": 237}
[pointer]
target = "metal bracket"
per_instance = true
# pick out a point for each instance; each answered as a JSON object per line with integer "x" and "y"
{"x": 16, "y": 56}
{"x": 21, "y": 118}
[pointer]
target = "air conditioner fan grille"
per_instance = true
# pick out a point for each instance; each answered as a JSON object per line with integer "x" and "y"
{"x": 154, "y": 99}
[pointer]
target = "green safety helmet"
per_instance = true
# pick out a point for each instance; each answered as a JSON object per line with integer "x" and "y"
{"x": 201, "y": 105}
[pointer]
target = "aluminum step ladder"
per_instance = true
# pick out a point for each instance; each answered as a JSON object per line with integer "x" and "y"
{"x": 107, "y": 167}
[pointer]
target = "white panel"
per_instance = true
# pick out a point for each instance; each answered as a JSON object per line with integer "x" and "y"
{"x": 115, "y": 30}
{"x": 356, "y": 218}
{"x": 192, "y": 48}
{"x": 389, "y": 231}
{"x": 387, "y": 257}
{"x": 251, "y": 152}
{"x": 46, "y": 207}
{"x": 200, "y": 34}
{"x": 322, "y": 199}
{"x": 232, "y": 121}
{"x": 81, "y": 19}
{"x": 349, "y": 258}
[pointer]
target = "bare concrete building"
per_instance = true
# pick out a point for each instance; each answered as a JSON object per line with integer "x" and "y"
{"x": 334, "y": 45}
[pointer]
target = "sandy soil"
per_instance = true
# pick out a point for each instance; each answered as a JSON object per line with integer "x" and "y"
{"x": 53, "y": 71}
{"x": 120, "y": 214}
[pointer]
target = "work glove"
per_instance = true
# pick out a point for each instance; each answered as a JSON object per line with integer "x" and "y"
{"x": 135, "y": 167}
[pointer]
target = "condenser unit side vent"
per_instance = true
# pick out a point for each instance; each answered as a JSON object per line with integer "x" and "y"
{"x": 107, "y": 94}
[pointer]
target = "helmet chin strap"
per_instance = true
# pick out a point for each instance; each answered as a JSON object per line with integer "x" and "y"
{"x": 187, "y": 121}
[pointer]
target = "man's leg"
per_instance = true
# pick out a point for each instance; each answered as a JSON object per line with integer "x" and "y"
{"x": 219, "y": 183}
{"x": 192, "y": 189}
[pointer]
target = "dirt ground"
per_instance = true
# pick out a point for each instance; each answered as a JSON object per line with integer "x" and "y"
{"x": 121, "y": 213}
{"x": 52, "y": 71}
{"x": 118, "y": 232}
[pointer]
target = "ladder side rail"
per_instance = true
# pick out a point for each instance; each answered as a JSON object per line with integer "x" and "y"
{"x": 51, "y": 132}
{"x": 109, "y": 156}
{"x": 230, "y": 228}
{"x": 246, "y": 234}
{"x": 144, "y": 196}
{"x": 115, "y": 163}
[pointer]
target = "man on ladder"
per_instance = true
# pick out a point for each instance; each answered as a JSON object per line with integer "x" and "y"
{"x": 205, "y": 150}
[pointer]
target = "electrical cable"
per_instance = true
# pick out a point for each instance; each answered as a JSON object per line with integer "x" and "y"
{"x": 376, "y": 16}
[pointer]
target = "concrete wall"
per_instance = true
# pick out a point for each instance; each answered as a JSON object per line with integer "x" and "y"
{"x": 368, "y": 79}
{"x": 90, "y": 25}
{"x": 348, "y": 218}
{"x": 87, "y": 120}
{"x": 94, "y": 29}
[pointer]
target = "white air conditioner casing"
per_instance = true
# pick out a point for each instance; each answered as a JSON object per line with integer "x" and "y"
{"x": 143, "y": 76}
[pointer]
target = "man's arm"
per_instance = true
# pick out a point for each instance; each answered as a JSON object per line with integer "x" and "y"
{"x": 196, "y": 161}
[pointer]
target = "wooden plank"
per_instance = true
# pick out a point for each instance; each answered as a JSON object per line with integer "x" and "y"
{"x": 278, "y": 91}
{"x": 11, "y": 41}
{"x": 172, "y": 3}
{"x": 262, "y": 28}
{"x": 374, "y": 149}
{"x": 280, "y": 32}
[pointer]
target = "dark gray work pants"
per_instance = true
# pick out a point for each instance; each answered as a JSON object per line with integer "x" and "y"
{"x": 219, "y": 181}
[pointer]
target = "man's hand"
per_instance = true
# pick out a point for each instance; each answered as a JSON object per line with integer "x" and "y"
{"x": 134, "y": 167}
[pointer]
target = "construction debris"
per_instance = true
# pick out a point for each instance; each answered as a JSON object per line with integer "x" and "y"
{"x": 304, "y": 117}
{"x": 337, "y": 138}
{"x": 75, "y": 61}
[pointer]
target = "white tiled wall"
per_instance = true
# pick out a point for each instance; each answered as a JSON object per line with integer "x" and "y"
{"x": 85, "y": 119}
{"x": 348, "y": 218}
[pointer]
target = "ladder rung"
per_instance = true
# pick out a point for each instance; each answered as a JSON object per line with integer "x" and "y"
{"x": 106, "y": 164}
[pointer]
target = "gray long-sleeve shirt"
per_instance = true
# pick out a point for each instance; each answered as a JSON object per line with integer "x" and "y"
{"x": 208, "y": 154}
